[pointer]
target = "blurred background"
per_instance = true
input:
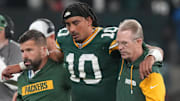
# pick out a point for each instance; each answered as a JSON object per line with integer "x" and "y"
{"x": 160, "y": 20}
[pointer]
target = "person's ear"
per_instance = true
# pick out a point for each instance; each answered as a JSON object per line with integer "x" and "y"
{"x": 139, "y": 41}
{"x": 44, "y": 51}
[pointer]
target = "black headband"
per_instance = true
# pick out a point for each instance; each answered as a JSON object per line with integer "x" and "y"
{"x": 74, "y": 11}
{"x": 79, "y": 9}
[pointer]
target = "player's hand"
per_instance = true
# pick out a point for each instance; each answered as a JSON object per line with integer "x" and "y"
{"x": 145, "y": 67}
{"x": 9, "y": 70}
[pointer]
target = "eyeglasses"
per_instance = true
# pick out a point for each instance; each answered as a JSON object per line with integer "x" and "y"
{"x": 125, "y": 43}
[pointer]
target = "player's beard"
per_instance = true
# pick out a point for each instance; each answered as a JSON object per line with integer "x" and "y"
{"x": 34, "y": 65}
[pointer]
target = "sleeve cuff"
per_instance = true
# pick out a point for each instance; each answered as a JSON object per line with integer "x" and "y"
{"x": 22, "y": 66}
{"x": 157, "y": 54}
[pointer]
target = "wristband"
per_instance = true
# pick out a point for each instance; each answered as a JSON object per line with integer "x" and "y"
{"x": 22, "y": 66}
{"x": 156, "y": 53}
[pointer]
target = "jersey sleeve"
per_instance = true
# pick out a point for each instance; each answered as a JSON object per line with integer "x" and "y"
{"x": 58, "y": 45}
{"x": 61, "y": 33}
{"x": 111, "y": 33}
{"x": 153, "y": 87}
{"x": 113, "y": 46}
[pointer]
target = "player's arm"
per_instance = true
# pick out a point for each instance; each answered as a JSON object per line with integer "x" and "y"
{"x": 56, "y": 55}
{"x": 155, "y": 54}
{"x": 155, "y": 50}
{"x": 15, "y": 96}
{"x": 11, "y": 69}
{"x": 17, "y": 68}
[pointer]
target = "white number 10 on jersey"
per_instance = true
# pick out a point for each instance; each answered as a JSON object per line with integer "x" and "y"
{"x": 82, "y": 74}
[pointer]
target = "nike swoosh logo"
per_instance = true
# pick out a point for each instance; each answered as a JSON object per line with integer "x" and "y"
{"x": 151, "y": 87}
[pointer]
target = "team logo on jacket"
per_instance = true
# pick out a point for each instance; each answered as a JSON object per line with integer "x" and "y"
{"x": 37, "y": 87}
{"x": 128, "y": 81}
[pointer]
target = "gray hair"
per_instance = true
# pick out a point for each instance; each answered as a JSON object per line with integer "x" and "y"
{"x": 134, "y": 26}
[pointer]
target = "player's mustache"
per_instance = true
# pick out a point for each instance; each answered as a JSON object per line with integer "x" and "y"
{"x": 74, "y": 33}
{"x": 27, "y": 60}
{"x": 29, "y": 66}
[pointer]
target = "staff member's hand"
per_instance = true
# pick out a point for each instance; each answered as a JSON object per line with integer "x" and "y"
{"x": 145, "y": 67}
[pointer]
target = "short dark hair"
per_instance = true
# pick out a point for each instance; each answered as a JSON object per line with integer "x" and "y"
{"x": 80, "y": 9}
{"x": 37, "y": 36}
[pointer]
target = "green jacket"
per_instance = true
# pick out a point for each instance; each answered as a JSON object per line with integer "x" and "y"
{"x": 51, "y": 83}
{"x": 127, "y": 91}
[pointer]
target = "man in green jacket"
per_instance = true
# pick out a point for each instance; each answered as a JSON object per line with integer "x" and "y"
{"x": 43, "y": 80}
{"x": 130, "y": 87}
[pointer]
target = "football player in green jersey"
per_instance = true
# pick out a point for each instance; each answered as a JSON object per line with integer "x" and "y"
{"x": 85, "y": 48}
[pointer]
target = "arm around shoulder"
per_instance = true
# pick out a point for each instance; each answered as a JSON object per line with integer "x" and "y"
{"x": 156, "y": 52}
{"x": 56, "y": 55}
{"x": 9, "y": 70}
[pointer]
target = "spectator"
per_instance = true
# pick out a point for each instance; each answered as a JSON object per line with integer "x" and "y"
{"x": 9, "y": 53}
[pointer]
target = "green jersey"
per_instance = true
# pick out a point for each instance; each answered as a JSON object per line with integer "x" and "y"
{"x": 51, "y": 83}
{"x": 93, "y": 71}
